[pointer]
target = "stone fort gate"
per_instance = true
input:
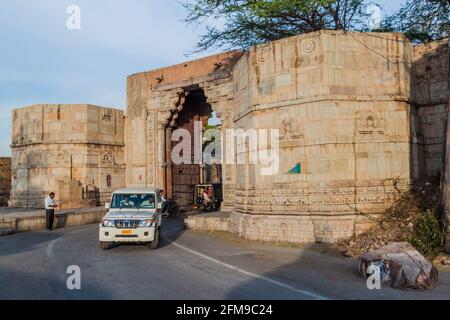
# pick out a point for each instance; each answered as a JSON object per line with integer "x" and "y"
{"x": 170, "y": 98}
{"x": 360, "y": 115}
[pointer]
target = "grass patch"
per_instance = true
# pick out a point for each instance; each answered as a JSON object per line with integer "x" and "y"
{"x": 428, "y": 236}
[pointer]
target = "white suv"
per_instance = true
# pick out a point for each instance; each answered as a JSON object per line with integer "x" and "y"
{"x": 134, "y": 215}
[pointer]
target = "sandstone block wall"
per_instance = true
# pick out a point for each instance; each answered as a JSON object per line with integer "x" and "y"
{"x": 437, "y": 63}
{"x": 430, "y": 96}
{"x": 55, "y": 147}
{"x": 343, "y": 115}
{"x": 5, "y": 181}
{"x": 360, "y": 115}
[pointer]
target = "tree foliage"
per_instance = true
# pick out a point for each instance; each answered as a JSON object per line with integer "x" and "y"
{"x": 249, "y": 22}
{"x": 421, "y": 20}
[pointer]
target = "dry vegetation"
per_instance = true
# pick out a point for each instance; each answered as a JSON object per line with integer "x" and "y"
{"x": 415, "y": 217}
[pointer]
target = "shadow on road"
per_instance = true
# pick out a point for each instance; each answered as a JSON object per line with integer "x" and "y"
{"x": 24, "y": 242}
{"x": 319, "y": 273}
{"x": 41, "y": 272}
{"x": 35, "y": 285}
{"x": 172, "y": 228}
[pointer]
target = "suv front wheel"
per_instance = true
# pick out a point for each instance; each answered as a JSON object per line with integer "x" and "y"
{"x": 106, "y": 245}
{"x": 155, "y": 243}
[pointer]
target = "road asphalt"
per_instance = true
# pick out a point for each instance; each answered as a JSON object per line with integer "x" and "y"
{"x": 187, "y": 266}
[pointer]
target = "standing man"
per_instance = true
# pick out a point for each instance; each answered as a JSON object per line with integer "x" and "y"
{"x": 50, "y": 206}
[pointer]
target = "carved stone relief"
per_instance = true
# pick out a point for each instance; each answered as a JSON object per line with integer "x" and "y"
{"x": 370, "y": 123}
{"x": 308, "y": 46}
{"x": 107, "y": 116}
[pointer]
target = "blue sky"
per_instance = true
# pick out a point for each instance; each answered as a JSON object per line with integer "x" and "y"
{"x": 41, "y": 61}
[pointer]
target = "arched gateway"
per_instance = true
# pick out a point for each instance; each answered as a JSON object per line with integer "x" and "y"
{"x": 163, "y": 100}
{"x": 348, "y": 110}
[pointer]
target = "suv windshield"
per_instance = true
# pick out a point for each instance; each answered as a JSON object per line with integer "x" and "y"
{"x": 133, "y": 201}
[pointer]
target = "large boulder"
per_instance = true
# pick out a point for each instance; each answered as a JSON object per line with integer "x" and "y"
{"x": 401, "y": 265}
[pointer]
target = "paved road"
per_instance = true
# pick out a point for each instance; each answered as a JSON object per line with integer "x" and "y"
{"x": 188, "y": 265}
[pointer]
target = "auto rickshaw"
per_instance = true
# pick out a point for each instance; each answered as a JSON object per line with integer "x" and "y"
{"x": 217, "y": 198}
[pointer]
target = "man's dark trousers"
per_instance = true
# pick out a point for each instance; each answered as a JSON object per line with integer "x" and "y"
{"x": 49, "y": 218}
{"x": 165, "y": 207}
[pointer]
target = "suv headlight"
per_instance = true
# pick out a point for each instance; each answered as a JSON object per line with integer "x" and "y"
{"x": 146, "y": 223}
{"x": 108, "y": 223}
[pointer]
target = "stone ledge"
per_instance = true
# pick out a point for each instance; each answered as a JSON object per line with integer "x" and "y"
{"x": 299, "y": 229}
{"x": 5, "y": 231}
{"x": 294, "y": 229}
{"x": 218, "y": 221}
{"x": 35, "y": 220}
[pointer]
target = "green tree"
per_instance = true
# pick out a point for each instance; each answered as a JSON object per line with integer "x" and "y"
{"x": 421, "y": 20}
{"x": 249, "y": 22}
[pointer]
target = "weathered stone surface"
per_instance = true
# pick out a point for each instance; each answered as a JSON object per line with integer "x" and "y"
{"x": 32, "y": 220}
{"x": 402, "y": 266}
{"x": 208, "y": 222}
{"x": 362, "y": 115}
{"x": 441, "y": 82}
{"x": 447, "y": 231}
{"x": 5, "y": 181}
{"x": 67, "y": 149}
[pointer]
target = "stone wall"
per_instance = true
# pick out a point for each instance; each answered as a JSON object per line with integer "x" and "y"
{"x": 360, "y": 116}
{"x": 430, "y": 95}
{"x": 440, "y": 66}
{"x": 341, "y": 103}
{"x": 5, "y": 181}
{"x": 76, "y": 151}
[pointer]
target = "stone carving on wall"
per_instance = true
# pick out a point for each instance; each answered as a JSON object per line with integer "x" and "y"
{"x": 136, "y": 93}
{"x": 163, "y": 119}
{"x": 109, "y": 158}
{"x": 22, "y": 159}
{"x": 61, "y": 157}
{"x": 263, "y": 53}
{"x": 107, "y": 116}
{"x": 370, "y": 123}
{"x": 177, "y": 107}
{"x": 290, "y": 130}
{"x": 133, "y": 91}
{"x": 308, "y": 46}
